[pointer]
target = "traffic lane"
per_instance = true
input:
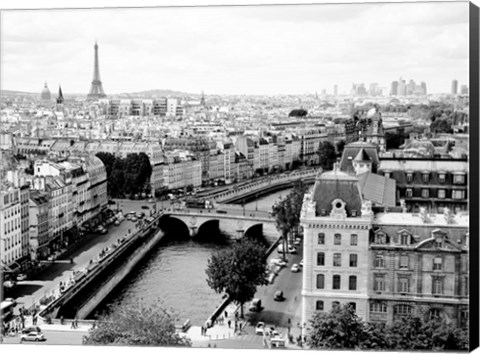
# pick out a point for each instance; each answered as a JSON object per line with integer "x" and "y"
{"x": 52, "y": 338}
{"x": 277, "y": 313}
{"x": 49, "y": 280}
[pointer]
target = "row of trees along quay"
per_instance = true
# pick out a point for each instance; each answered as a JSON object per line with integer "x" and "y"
{"x": 341, "y": 328}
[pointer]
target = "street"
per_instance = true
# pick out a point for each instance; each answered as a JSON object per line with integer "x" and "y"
{"x": 68, "y": 337}
{"x": 278, "y": 313}
{"x": 46, "y": 282}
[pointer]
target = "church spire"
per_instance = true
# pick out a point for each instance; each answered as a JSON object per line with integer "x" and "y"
{"x": 60, "y": 95}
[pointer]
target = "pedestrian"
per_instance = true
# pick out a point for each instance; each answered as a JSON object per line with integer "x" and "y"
{"x": 229, "y": 323}
{"x": 76, "y": 322}
{"x": 226, "y": 314}
{"x": 61, "y": 320}
{"x": 34, "y": 320}
{"x": 73, "y": 325}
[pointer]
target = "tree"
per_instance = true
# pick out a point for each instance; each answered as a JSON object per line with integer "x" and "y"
{"x": 137, "y": 325}
{"x": 340, "y": 147}
{"x": 237, "y": 271}
{"x": 340, "y": 328}
{"x": 287, "y": 211}
{"x": 298, "y": 113}
{"x": 441, "y": 126}
{"x": 327, "y": 155}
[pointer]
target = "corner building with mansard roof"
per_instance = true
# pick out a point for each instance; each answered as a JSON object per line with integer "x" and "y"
{"x": 385, "y": 264}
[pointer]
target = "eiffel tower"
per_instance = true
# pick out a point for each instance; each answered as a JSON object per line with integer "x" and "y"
{"x": 96, "y": 89}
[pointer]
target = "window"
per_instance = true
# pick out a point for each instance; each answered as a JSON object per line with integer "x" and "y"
{"x": 456, "y": 194}
{"x": 352, "y": 282}
{"x": 387, "y": 175}
{"x": 336, "y": 282}
{"x": 441, "y": 193}
{"x": 441, "y": 177}
{"x": 425, "y": 193}
{"x": 403, "y": 309}
{"x": 337, "y": 239}
{"x": 403, "y": 285}
{"x": 379, "y": 282}
{"x": 434, "y": 313}
{"x": 437, "y": 285}
{"x": 320, "y": 281}
{"x": 379, "y": 261}
{"x": 409, "y": 177}
{"x": 409, "y": 192}
{"x": 458, "y": 179}
{"x": 321, "y": 238}
{"x": 353, "y": 260}
{"x": 378, "y": 307}
{"x": 404, "y": 261}
{"x": 319, "y": 305}
{"x": 438, "y": 243}
{"x": 337, "y": 259}
{"x": 380, "y": 239}
{"x": 353, "y": 306}
{"x": 320, "y": 259}
{"x": 404, "y": 239}
{"x": 353, "y": 240}
{"x": 425, "y": 177}
{"x": 335, "y": 304}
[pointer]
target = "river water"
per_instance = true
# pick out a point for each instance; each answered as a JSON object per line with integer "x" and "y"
{"x": 174, "y": 273}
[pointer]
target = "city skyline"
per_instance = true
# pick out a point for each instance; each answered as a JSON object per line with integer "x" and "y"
{"x": 258, "y": 50}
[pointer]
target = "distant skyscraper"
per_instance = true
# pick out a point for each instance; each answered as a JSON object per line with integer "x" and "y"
{"x": 454, "y": 87}
{"x": 335, "y": 90}
{"x": 401, "y": 87}
{"x": 424, "y": 87}
{"x": 394, "y": 88}
{"x": 464, "y": 90}
{"x": 96, "y": 89}
{"x": 373, "y": 90}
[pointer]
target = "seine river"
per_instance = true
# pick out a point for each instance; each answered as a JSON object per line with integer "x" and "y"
{"x": 174, "y": 273}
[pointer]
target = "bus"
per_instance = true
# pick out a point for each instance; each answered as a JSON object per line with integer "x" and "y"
{"x": 7, "y": 310}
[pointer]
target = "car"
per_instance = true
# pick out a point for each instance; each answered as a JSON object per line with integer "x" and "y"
{"x": 278, "y": 296}
{"x": 33, "y": 336}
{"x": 140, "y": 215}
{"x": 31, "y": 329}
{"x": 295, "y": 268}
{"x": 290, "y": 249}
{"x": 278, "y": 262}
{"x": 21, "y": 277}
{"x": 129, "y": 216}
{"x": 255, "y": 305}
{"x": 145, "y": 207}
{"x": 9, "y": 299}
{"x": 117, "y": 222}
{"x": 133, "y": 218}
{"x": 259, "y": 328}
{"x": 151, "y": 200}
{"x": 301, "y": 263}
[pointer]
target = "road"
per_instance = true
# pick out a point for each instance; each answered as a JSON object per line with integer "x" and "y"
{"x": 278, "y": 313}
{"x": 48, "y": 281}
{"x": 52, "y": 338}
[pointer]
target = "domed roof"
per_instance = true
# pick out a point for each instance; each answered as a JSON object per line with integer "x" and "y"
{"x": 45, "y": 95}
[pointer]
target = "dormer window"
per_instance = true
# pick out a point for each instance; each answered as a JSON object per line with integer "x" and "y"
{"x": 438, "y": 243}
{"x": 409, "y": 177}
{"x": 404, "y": 239}
{"x": 408, "y": 192}
{"x": 441, "y": 177}
{"x": 387, "y": 174}
{"x": 458, "y": 179}
{"x": 380, "y": 239}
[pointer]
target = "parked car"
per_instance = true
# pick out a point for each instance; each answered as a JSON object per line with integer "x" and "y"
{"x": 31, "y": 329}
{"x": 255, "y": 305}
{"x": 301, "y": 263}
{"x": 145, "y": 207}
{"x": 33, "y": 336}
{"x": 290, "y": 249}
{"x": 133, "y": 219}
{"x": 117, "y": 222}
{"x": 295, "y": 268}
{"x": 259, "y": 328}
{"x": 21, "y": 277}
{"x": 278, "y": 296}
{"x": 278, "y": 262}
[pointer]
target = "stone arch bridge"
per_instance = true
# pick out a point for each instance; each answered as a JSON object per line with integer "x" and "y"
{"x": 236, "y": 226}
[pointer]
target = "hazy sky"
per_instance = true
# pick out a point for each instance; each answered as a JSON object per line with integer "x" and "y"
{"x": 237, "y": 50}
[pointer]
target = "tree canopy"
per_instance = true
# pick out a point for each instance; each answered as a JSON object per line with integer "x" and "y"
{"x": 238, "y": 270}
{"x": 298, "y": 113}
{"x": 327, "y": 155}
{"x": 137, "y": 324}
{"x": 126, "y": 176}
{"x": 341, "y": 328}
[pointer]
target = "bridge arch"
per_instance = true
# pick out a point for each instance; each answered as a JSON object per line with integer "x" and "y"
{"x": 174, "y": 228}
{"x": 255, "y": 232}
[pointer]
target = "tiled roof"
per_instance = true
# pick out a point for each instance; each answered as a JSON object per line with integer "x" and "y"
{"x": 378, "y": 189}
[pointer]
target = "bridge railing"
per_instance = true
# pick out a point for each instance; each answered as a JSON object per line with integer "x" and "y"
{"x": 259, "y": 185}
